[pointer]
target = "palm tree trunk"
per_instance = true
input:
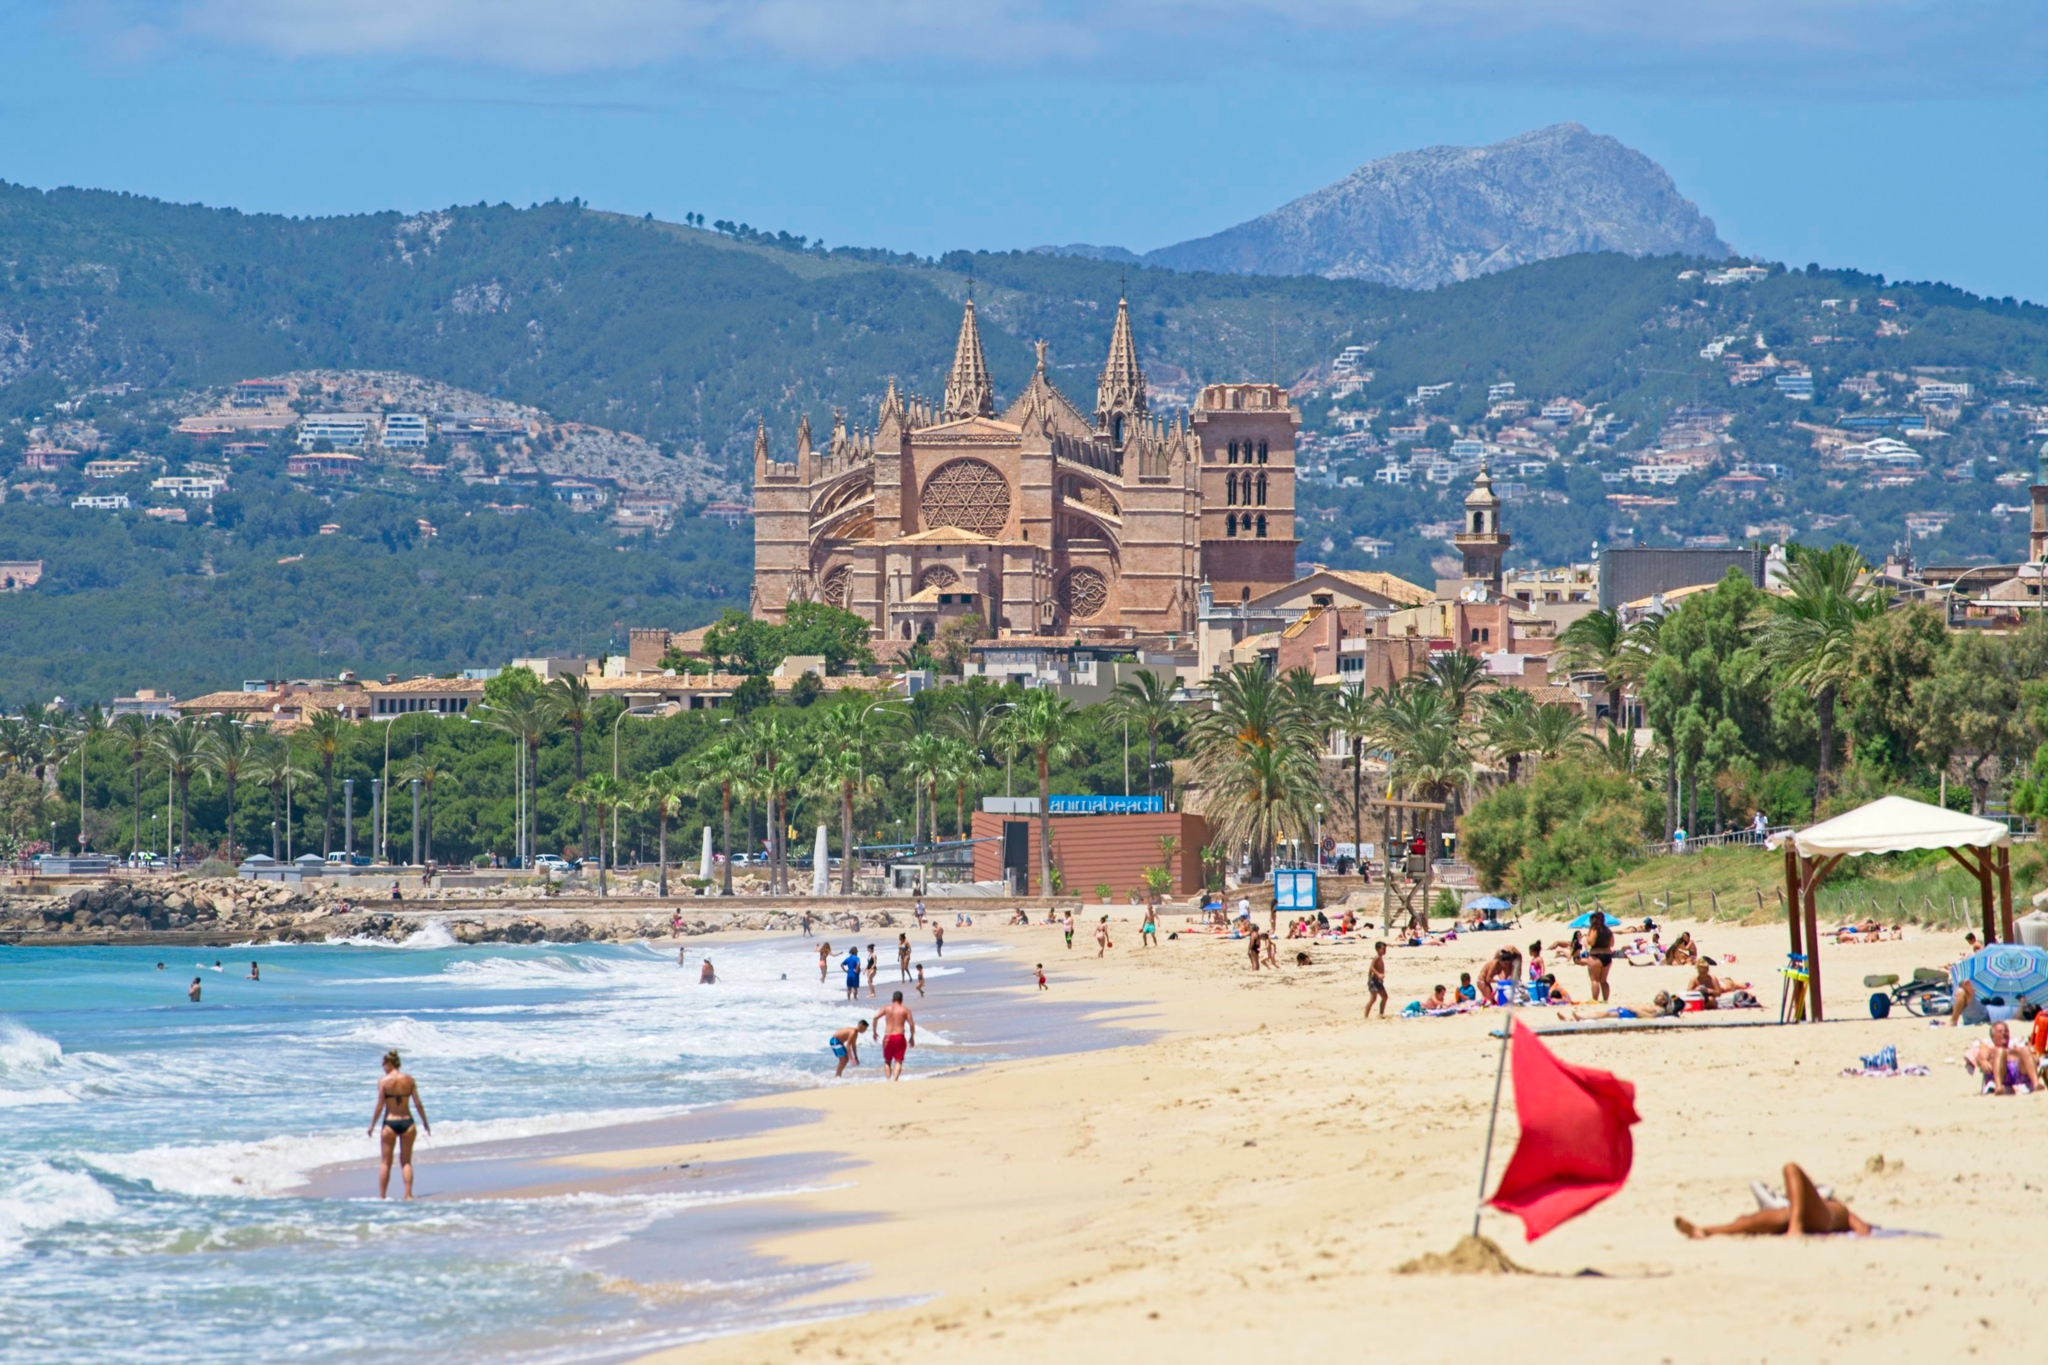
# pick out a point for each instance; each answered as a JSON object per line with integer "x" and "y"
{"x": 1044, "y": 824}
{"x": 959, "y": 810}
{"x": 725, "y": 798}
{"x": 662, "y": 815}
{"x": 1151, "y": 761}
{"x": 603, "y": 887}
{"x": 231, "y": 819}
{"x": 138, "y": 806}
{"x": 1358, "y": 803}
{"x": 1824, "y": 721}
{"x": 846, "y": 838}
{"x": 583, "y": 811}
{"x": 427, "y": 818}
{"x": 327, "y": 819}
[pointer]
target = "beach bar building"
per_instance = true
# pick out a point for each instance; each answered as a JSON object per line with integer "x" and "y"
{"x": 1095, "y": 845}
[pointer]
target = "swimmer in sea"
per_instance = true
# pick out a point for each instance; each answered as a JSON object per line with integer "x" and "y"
{"x": 707, "y": 977}
{"x": 192, "y": 991}
{"x": 396, "y": 1092}
{"x": 846, "y": 1046}
{"x": 254, "y": 973}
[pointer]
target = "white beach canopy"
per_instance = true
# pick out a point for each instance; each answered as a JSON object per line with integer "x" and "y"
{"x": 1898, "y": 824}
{"x": 1890, "y": 824}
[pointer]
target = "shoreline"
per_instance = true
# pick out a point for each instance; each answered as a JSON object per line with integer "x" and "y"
{"x": 1257, "y": 1171}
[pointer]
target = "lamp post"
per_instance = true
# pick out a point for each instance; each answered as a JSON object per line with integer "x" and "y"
{"x": 415, "y": 822}
{"x": 629, "y": 711}
{"x": 1319, "y": 836}
{"x": 376, "y": 810}
{"x": 348, "y": 818}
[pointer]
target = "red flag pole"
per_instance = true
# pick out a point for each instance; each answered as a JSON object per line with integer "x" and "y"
{"x": 1485, "y": 1162}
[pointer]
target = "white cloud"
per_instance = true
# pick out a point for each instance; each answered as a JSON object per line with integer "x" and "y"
{"x": 1827, "y": 43}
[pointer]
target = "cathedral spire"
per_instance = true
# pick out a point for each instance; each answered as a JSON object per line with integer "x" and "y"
{"x": 969, "y": 391}
{"x": 1120, "y": 394}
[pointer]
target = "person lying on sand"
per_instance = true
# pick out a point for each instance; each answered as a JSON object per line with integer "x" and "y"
{"x": 1666, "y": 1005}
{"x": 1806, "y": 1214}
{"x": 1439, "y": 999}
{"x": 1554, "y": 991}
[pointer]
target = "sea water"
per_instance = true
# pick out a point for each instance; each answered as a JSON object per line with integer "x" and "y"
{"x": 151, "y": 1147}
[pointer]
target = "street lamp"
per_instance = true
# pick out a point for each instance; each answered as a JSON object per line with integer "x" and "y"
{"x": 1319, "y": 836}
{"x": 629, "y": 711}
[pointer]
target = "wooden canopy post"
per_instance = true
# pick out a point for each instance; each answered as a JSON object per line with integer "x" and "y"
{"x": 1792, "y": 915}
{"x": 1984, "y": 897}
{"x": 2005, "y": 924}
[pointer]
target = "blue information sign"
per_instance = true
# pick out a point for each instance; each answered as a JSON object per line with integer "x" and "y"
{"x": 1108, "y": 805}
{"x": 1294, "y": 888}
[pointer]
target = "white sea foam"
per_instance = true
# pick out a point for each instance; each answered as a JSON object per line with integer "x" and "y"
{"x": 23, "y": 1051}
{"x": 278, "y": 1165}
{"x": 37, "y": 1195}
{"x": 432, "y": 934}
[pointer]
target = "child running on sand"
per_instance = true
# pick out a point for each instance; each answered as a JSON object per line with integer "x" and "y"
{"x": 1041, "y": 978}
{"x": 1148, "y": 932}
{"x": 1067, "y": 923}
{"x": 920, "y": 980}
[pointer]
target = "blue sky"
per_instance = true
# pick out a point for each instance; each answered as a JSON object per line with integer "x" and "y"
{"x": 1898, "y": 136}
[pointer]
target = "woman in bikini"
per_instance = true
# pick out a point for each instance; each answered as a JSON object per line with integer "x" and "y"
{"x": 1600, "y": 958}
{"x": 1681, "y": 953}
{"x": 396, "y": 1093}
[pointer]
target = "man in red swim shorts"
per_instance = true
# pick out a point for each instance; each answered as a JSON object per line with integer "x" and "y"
{"x": 898, "y": 1028}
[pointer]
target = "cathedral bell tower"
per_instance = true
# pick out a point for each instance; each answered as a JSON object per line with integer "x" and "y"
{"x": 1120, "y": 392}
{"x": 1481, "y": 541}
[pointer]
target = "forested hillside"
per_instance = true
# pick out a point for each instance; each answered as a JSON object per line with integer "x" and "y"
{"x": 117, "y": 311}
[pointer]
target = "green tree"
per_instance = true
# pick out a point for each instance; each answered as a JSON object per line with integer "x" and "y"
{"x": 179, "y": 752}
{"x": 328, "y": 734}
{"x": 1255, "y": 760}
{"x": 571, "y": 697}
{"x": 666, "y": 792}
{"x": 1145, "y": 702}
{"x": 229, "y": 752}
{"x": 1812, "y": 630}
{"x": 607, "y": 794}
{"x": 1570, "y": 824}
{"x": 1044, "y": 724}
{"x": 725, "y": 768}
{"x": 134, "y": 734}
{"x": 1969, "y": 712}
{"x": 423, "y": 769}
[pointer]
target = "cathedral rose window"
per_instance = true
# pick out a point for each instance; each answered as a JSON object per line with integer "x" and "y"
{"x": 838, "y": 583}
{"x": 938, "y": 576}
{"x": 967, "y": 494}
{"x": 1087, "y": 593}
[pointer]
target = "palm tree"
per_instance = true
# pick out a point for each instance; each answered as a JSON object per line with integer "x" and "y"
{"x": 607, "y": 793}
{"x": 1256, "y": 759}
{"x": 1598, "y": 643}
{"x": 724, "y": 767}
{"x": 1360, "y": 716}
{"x": 571, "y": 699}
{"x": 1505, "y": 724}
{"x": 962, "y": 766}
{"x": 842, "y": 738}
{"x": 973, "y": 712}
{"x": 1812, "y": 629}
{"x": 666, "y": 792}
{"x": 1145, "y": 702}
{"x": 776, "y": 752}
{"x": 1430, "y": 764}
{"x": 78, "y": 739}
{"x": 1617, "y": 753}
{"x": 925, "y": 763}
{"x": 1043, "y": 723}
{"x": 276, "y": 768}
{"x": 229, "y": 752}
{"x": 133, "y": 732}
{"x": 179, "y": 751}
{"x": 422, "y": 768}
{"x": 328, "y": 734}
{"x": 18, "y": 743}
{"x": 1459, "y": 675}
{"x": 526, "y": 717}
{"x": 1557, "y": 728}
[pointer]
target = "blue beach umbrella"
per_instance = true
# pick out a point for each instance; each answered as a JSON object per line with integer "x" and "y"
{"x": 1487, "y": 903}
{"x": 1585, "y": 921}
{"x": 2011, "y": 971}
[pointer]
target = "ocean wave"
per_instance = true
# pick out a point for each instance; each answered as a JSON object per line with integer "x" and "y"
{"x": 432, "y": 934}
{"x": 37, "y": 1196}
{"x": 23, "y": 1050}
{"x": 277, "y": 1165}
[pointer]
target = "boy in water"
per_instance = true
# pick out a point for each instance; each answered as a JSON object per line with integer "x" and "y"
{"x": 850, "y": 964}
{"x": 1376, "y": 981}
{"x": 192, "y": 991}
{"x": 939, "y": 939}
{"x": 846, "y": 1046}
{"x": 396, "y": 1092}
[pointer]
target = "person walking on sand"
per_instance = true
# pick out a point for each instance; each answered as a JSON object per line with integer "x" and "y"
{"x": 1600, "y": 958}
{"x": 824, "y": 961}
{"x": 851, "y": 966}
{"x": 807, "y": 924}
{"x": 1102, "y": 936}
{"x": 1067, "y": 923}
{"x": 846, "y": 1046}
{"x": 1148, "y": 932}
{"x": 903, "y": 957}
{"x": 1251, "y": 940}
{"x": 1041, "y": 978}
{"x": 1376, "y": 981}
{"x": 893, "y": 1021}
{"x": 920, "y": 981}
{"x": 874, "y": 967}
{"x": 396, "y": 1093}
{"x": 939, "y": 940}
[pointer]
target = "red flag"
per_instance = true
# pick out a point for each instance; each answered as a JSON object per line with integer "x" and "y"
{"x": 1575, "y": 1148}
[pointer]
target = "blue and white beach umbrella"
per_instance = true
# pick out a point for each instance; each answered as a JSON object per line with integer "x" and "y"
{"x": 2012, "y": 971}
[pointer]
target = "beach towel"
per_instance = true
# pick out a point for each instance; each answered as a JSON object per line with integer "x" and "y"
{"x": 1882, "y": 1065}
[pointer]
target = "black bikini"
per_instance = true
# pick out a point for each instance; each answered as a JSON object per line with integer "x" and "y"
{"x": 399, "y": 1126}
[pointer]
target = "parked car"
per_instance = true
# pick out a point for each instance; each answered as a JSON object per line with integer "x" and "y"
{"x": 552, "y": 865}
{"x": 348, "y": 860}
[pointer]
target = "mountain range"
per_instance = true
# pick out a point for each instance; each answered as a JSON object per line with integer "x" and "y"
{"x": 1434, "y": 216}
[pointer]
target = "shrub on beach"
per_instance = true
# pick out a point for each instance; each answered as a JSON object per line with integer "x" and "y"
{"x": 1569, "y": 825}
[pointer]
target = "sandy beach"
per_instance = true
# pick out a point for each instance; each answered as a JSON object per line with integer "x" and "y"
{"x": 1251, "y": 1180}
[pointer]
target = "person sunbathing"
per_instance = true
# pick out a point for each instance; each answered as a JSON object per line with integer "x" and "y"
{"x": 1805, "y": 1214}
{"x": 1683, "y": 952}
{"x": 1665, "y": 1005}
{"x": 2004, "y": 1064}
{"x": 1554, "y": 991}
{"x": 1439, "y": 1000}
